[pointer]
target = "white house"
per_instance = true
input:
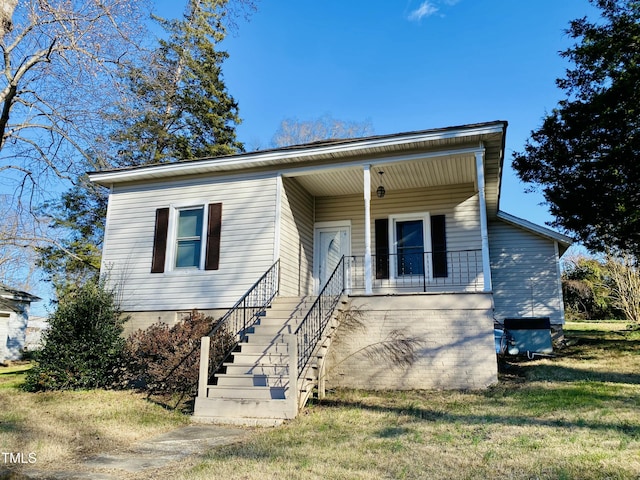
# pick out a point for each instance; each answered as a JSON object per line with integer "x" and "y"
{"x": 14, "y": 315}
{"x": 416, "y": 216}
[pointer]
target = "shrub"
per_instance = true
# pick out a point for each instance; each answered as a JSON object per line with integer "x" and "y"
{"x": 165, "y": 360}
{"x": 586, "y": 288}
{"x": 83, "y": 347}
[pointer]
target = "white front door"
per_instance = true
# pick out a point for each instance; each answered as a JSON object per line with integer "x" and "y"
{"x": 331, "y": 243}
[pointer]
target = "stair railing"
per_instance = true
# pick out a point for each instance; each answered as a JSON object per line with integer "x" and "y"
{"x": 234, "y": 325}
{"x": 311, "y": 329}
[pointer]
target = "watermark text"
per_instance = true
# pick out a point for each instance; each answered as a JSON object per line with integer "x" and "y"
{"x": 14, "y": 458}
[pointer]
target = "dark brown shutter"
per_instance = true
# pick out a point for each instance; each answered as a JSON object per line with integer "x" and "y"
{"x": 439, "y": 246}
{"x": 382, "y": 248}
{"x": 160, "y": 240}
{"x": 212, "y": 258}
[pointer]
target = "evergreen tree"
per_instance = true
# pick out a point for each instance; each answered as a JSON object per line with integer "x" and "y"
{"x": 586, "y": 155}
{"x": 178, "y": 109}
{"x": 182, "y": 109}
{"x": 75, "y": 259}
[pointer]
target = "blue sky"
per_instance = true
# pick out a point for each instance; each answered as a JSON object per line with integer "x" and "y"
{"x": 403, "y": 65}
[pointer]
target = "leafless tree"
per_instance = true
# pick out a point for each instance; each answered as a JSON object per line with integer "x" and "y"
{"x": 295, "y": 132}
{"x": 59, "y": 61}
{"x": 6, "y": 15}
{"x": 624, "y": 275}
{"x": 17, "y": 254}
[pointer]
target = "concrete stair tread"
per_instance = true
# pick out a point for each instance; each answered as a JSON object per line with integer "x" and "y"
{"x": 260, "y": 357}
{"x": 259, "y": 370}
{"x": 253, "y": 348}
{"x": 253, "y": 387}
{"x": 254, "y": 364}
{"x": 252, "y": 381}
{"x": 252, "y": 392}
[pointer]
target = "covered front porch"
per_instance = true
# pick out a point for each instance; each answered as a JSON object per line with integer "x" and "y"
{"x": 405, "y": 224}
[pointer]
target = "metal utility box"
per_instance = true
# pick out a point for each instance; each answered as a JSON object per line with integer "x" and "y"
{"x": 531, "y": 335}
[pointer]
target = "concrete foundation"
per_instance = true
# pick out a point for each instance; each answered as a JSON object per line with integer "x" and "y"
{"x": 455, "y": 346}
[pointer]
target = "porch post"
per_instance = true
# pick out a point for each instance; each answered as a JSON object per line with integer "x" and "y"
{"x": 368, "y": 290}
{"x": 484, "y": 232}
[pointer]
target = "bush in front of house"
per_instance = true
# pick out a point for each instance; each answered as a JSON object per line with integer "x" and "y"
{"x": 164, "y": 360}
{"x": 84, "y": 344}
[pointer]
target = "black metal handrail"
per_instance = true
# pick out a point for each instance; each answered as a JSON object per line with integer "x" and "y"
{"x": 256, "y": 300}
{"x": 310, "y": 330}
{"x": 416, "y": 270}
{"x": 246, "y": 312}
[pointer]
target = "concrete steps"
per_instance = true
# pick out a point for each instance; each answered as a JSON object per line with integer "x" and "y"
{"x": 254, "y": 385}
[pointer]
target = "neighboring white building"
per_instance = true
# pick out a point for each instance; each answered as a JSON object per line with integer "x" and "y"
{"x": 429, "y": 253}
{"x": 14, "y": 316}
{"x": 35, "y": 329}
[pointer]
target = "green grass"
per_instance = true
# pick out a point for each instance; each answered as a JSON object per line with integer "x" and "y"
{"x": 575, "y": 416}
{"x": 13, "y": 376}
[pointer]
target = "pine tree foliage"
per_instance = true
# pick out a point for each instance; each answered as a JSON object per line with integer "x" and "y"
{"x": 177, "y": 108}
{"x": 585, "y": 157}
{"x": 75, "y": 259}
{"x": 182, "y": 109}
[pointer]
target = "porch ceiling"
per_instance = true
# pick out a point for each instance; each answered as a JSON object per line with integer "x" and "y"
{"x": 422, "y": 173}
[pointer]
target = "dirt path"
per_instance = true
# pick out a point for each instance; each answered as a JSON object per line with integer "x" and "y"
{"x": 155, "y": 458}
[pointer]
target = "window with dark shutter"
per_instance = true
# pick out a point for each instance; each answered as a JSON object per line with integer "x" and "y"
{"x": 212, "y": 257}
{"x": 439, "y": 246}
{"x": 160, "y": 240}
{"x": 382, "y": 248}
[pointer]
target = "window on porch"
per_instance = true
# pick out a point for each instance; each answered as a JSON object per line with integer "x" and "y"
{"x": 409, "y": 247}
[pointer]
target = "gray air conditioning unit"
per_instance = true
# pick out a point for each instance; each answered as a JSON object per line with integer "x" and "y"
{"x": 531, "y": 335}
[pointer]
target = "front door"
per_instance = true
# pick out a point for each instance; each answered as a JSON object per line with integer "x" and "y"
{"x": 331, "y": 243}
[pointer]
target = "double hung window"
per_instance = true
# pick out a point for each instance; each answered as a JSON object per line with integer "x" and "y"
{"x": 187, "y": 238}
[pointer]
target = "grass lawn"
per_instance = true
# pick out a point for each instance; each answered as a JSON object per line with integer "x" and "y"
{"x": 574, "y": 416}
{"x": 62, "y": 427}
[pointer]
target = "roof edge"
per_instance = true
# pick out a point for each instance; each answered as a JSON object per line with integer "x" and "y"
{"x": 564, "y": 240}
{"x": 9, "y": 293}
{"x": 243, "y": 160}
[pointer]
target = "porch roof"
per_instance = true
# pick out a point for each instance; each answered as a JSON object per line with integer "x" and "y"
{"x": 449, "y": 151}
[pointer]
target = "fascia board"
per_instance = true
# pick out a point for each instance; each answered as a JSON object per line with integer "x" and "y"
{"x": 280, "y": 158}
{"x": 534, "y": 228}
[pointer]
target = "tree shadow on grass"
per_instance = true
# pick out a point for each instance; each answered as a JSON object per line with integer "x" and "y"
{"x": 520, "y": 371}
{"x": 420, "y": 413}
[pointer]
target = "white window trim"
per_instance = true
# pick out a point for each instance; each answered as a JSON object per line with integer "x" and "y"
{"x": 172, "y": 236}
{"x": 393, "y": 241}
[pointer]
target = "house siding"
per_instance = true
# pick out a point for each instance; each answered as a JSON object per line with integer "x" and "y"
{"x": 458, "y": 202}
{"x": 525, "y": 274}
{"x": 296, "y": 239}
{"x": 4, "y": 332}
{"x": 13, "y": 330}
{"x": 246, "y": 249}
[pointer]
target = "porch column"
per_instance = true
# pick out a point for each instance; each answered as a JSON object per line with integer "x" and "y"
{"x": 368, "y": 290}
{"x": 484, "y": 232}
